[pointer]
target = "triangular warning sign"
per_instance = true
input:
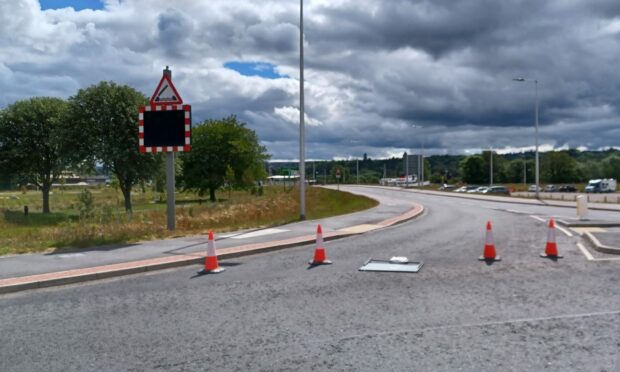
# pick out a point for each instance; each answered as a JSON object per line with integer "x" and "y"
{"x": 166, "y": 92}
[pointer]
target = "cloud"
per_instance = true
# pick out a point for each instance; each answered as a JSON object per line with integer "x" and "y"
{"x": 374, "y": 68}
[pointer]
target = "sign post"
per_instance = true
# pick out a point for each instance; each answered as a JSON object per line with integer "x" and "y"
{"x": 165, "y": 126}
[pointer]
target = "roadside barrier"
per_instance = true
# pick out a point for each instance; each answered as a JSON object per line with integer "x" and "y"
{"x": 320, "y": 257}
{"x": 551, "y": 249}
{"x": 211, "y": 264}
{"x": 489, "y": 246}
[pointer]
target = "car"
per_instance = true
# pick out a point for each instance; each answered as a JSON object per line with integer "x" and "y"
{"x": 567, "y": 188}
{"x": 550, "y": 188}
{"x": 447, "y": 187}
{"x": 532, "y": 188}
{"x": 466, "y": 188}
{"x": 497, "y": 190}
{"x": 479, "y": 190}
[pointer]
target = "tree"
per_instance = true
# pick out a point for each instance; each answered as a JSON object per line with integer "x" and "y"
{"x": 558, "y": 166}
{"x": 222, "y": 151}
{"x": 37, "y": 142}
{"x": 611, "y": 167}
{"x": 108, "y": 115}
{"x": 472, "y": 169}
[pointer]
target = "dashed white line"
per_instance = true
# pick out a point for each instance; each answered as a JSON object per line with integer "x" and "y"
{"x": 585, "y": 252}
{"x": 568, "y": 233}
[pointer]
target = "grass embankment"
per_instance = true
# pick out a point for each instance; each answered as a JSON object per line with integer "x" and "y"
{"x": 109, "y": 224}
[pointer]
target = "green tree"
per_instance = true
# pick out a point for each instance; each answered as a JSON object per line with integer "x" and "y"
{"x": 37, "y": 142}
{"x": 514, "y": 171}
{"x": 472, "y": 169}
{"x": 222, "y": 151}
{"x": 611, "y": 167}
{"x": 108, "y": 116}
{"x": 558, "y": 166}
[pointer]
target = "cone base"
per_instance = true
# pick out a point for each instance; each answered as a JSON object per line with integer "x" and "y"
{"x": 544, "y": 255}
{"x": 316, "y": 263}
{"x": 213, "y": 271}
{"x": 496, "y": 258}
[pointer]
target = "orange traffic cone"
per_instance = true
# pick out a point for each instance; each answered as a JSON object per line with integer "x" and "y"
{"x": 489, "y": 247}
{"x": 551, "y": 250}
{"x": 211, "y": 265}
{"x": 320, "y": 258}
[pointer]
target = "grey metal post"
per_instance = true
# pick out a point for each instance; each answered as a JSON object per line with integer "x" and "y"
{"x": 524, "y": 173}
{"x": 302, "y": 163}
{"x": 491, "y": 157}
{"x": 422, "y": 164}
{"x": 357, "y": 166}
{"x": 170, "y": 191}
{"x": 406, "y": 170}
{"x": 537, "y": 162}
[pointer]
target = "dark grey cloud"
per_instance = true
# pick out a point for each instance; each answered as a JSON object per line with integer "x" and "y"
{"x": 374, "y": 68}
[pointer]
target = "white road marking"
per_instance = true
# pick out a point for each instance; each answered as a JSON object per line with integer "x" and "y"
{"x": 585, "y": 252}
{"x": 254, "y": 234}
{"x": 538, "y": 218}
{"x": 69, "y": 255}
{"x": 568, "y": 233}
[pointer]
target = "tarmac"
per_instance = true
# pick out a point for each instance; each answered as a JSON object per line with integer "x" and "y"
{"x": 31, "y": 271}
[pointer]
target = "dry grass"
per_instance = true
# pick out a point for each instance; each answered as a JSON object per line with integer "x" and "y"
{"x": 109, "y": 224}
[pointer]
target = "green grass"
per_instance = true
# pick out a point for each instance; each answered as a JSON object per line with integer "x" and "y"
{"x": 64, "y": 228}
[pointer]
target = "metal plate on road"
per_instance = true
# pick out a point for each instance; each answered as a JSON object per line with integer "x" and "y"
{"x": 391, "y": 266}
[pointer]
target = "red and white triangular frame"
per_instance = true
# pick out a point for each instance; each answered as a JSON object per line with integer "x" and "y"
{"x": 166, "y": 93}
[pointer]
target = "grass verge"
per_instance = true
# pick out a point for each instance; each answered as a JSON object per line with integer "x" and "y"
{"x": 109, "y": 224}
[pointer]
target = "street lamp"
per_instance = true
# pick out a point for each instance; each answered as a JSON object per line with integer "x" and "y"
{"x": 420, "y": 158}
{"x": 520, "y": 79}
{"x": 302, "y": 162}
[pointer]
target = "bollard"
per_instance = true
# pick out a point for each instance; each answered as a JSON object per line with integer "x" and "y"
{"x": 26, "y": 210}
{"x": 582, "y": 207}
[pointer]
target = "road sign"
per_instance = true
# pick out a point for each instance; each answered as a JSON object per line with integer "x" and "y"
{"x": 338, "y": 173}
{"x": 166, "y": 93}
{"x": 165, "y": 128}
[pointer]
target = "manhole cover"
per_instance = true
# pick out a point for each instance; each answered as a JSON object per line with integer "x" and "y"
{"x": 391, "y": 266}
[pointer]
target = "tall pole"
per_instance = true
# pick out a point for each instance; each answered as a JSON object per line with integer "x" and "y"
{"x": 302, "y": 163}
{"x": 491, "y": 170}
{"x": 422, "y": 163}
{"x": 406, "y": 170}
{"x": 170, "y": 191}
{"x": 357, "y": 166}
{"x": 313, "y": 172}
{"x": 537, "y": 162}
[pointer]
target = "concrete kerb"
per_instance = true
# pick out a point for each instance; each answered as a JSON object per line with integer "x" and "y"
{"x": 19, "y": 284}
{"x": 599, "y": 246}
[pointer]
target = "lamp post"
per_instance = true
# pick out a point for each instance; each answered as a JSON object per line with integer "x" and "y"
{"x": 302, "y": 162}
{"x": 420, "y": 158}
{"x": 520, "y": 79}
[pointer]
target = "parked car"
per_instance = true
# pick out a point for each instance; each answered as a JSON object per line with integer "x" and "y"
{"x": 497, "y": 190}
{"x": 466, "y": 188}
{"x": 567, "y": 188}
{"x": 532, "y": 188}
{"x": 550, "y": 188}
{"x": 446, "y": 187}
{"x": 479, "y": 190}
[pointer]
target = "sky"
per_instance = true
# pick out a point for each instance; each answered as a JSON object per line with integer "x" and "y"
{"x": 381, "y": 77}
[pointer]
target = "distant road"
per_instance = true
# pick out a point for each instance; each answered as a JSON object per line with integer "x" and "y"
{"x": 269, "y": 312}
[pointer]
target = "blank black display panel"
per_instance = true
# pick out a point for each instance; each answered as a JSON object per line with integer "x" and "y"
{"x": 164, "y": 128}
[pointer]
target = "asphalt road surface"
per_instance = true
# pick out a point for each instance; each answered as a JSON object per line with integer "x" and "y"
{"x": 270, "y": 312}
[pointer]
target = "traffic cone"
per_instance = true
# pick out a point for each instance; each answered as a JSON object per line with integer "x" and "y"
{"x": 320, "y": 258}
{"x": 211, "y": 265}
{"x": 489, "y": 247}
{"x": 551, "y": 250}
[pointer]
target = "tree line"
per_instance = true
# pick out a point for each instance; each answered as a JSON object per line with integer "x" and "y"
{"x": 42, "y": 137}
{"x": 562, "y": 166}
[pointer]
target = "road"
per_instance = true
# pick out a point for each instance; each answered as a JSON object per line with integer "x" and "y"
{"x": 270, "y": 312}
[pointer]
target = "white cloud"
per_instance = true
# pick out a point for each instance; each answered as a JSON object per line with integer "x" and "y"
{"x": 372, "y": 67}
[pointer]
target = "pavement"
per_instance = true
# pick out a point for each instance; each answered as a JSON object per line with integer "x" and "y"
{"x": 30, "y": 271}
{"x": 33, "y": 271}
